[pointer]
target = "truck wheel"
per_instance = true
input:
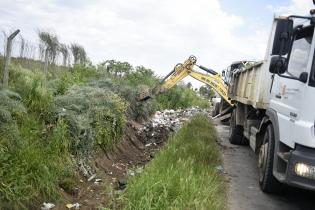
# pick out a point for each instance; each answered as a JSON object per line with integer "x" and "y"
{"x": 236, "y": 132}
{"x": 268, "y": 183}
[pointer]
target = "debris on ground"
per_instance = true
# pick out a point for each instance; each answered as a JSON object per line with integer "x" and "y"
{"x": 165, "y": 122}
{"x": 73, "y": 206}
{"x": 220, "y": 169}
{"x": 91, "y": 177}
{"x": 47, "y": 206}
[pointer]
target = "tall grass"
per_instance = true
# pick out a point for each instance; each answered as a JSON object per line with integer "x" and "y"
{"x": 32, "y": 168}
{"x": 183, "y": 175}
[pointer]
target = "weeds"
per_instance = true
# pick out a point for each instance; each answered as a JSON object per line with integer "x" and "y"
{"x": 31, "y": 170}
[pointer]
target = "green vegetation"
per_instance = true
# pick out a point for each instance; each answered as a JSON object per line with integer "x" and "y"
{"x": 206, "y": 91}
{"x": 183, "y": 175}
{"x": 52, "y": 117}
{"x": 181, "y": 97}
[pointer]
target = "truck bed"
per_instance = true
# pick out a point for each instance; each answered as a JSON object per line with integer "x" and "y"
{"x": 251, "y": 85}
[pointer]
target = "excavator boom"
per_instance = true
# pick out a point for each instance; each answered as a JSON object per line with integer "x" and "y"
{"x": 214, "y": 79}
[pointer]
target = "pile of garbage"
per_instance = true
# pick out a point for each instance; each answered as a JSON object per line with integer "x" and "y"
{"x": 165, "y": 122}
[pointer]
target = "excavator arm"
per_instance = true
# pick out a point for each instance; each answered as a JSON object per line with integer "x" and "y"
{"x": 181, "y": 71}
{"x": 215, "y": 82}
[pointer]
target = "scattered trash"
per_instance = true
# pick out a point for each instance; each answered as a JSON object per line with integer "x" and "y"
{"x": 220, "y": 169}
{"x": 47, "y": 206}
{"x": 97, "y": 181}
{"x": 130, "y": 172}
{"x": 139, "y": 170}
{"x": 120, "y": 185}
{"x": 91, "y": 177}
{"x": 165, "y": 121}
{"x": 75, "y": 206}
{"x": 85, "y": 169}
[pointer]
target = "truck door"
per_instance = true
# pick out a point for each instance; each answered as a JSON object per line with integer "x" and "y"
{"x": 287, "y": 95}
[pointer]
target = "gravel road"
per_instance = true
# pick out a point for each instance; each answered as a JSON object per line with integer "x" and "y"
{"x": 240, "y": 167}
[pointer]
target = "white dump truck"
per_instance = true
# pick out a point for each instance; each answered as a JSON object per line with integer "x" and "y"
{"x": 274, "y": 108}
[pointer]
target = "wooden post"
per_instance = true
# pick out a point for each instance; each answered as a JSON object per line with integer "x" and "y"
{"x": 5, "y": 81}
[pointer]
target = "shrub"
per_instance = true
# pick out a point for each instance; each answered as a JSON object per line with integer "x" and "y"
{"x": 94, "y": 116}
{"x": 136, "y": 110}
{"x": 181, "y": 97}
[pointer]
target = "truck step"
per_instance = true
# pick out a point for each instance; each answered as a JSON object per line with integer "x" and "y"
{"x": 284, "y": 156}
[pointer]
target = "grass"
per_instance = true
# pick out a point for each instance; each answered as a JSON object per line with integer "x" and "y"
{"x": 32, "y": 169}
{"x": 183, "y": 175}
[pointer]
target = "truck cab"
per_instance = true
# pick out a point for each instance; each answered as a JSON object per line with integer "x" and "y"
{"x": 292, "y": 100}
{"x": 274, "y": 106}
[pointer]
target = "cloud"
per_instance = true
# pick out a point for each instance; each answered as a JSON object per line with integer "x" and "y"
{"x": 156, "y": 34}
{"x": 297, "y": 7}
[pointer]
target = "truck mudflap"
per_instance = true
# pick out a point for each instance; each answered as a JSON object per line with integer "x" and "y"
{"x": 301, "y": 168}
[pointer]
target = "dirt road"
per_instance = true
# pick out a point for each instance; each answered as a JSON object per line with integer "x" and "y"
{"x": 240, "y": 166}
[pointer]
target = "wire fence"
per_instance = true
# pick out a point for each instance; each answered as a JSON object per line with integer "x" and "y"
{"x": 32, "y": 54}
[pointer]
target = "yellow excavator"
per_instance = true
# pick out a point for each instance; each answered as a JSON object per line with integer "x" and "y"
{"x": 213, "y": 79}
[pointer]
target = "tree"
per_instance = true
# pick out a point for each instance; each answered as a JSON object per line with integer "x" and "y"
{"x": 206, "y": 91}
{"x": 51, "y": 43}
{"x": 79, "y": 54}
{"x": 142, "y": 75}
{"x": 189, "y": 85}
{"x": 116, "y": 68}
{"x": 65, "y": 54}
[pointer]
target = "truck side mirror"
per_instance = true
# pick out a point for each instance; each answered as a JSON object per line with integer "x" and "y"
{"x": 278, "y": 65}
{"x": 223, "y": 73}
{"x": 282, "y": 37}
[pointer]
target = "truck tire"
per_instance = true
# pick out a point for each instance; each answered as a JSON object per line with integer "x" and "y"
{"x": 268, "y": 183}
{"x": 236, "y": 132}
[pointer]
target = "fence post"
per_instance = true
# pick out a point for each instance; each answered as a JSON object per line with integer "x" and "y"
{"x": 5, "y": 81}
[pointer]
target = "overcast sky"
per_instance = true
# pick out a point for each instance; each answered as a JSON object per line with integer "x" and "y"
{"x": 154, "y": 33}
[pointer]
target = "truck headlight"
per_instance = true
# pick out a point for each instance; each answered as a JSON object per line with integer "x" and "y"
{"x": 304, "y": 170}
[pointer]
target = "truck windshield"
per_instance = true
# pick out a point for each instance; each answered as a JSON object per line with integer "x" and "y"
{"x": 300, "y": 51}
